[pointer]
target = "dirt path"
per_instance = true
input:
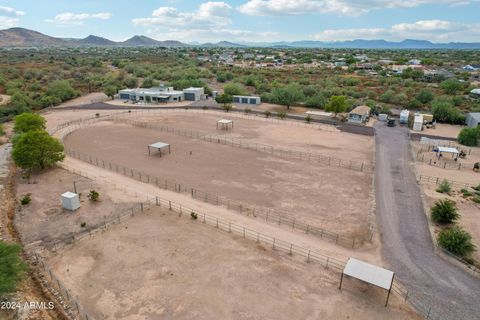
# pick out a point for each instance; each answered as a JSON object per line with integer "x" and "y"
{"x": 407, "y": 246}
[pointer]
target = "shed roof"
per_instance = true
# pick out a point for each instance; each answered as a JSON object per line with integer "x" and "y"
{"x": 475, "y": 91}
{"x": 447, "y": 149}
{"x": 369, "y": 273}
{"x": 475, "y": 115}
{"x": 361, "y": 110}
{"x": 225, "y": 121}
{"x": 159, "y": 145}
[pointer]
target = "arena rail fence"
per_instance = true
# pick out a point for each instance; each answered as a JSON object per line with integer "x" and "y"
{"x": 421, "y": 155}
{"x": 289, "y": 248}
{"x": 280, "y": 152}
{"x": 268, "y": 215}
{"x": 437, "y": 180}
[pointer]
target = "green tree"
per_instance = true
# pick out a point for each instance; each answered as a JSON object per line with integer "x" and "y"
{"x": 444, "y": 111}
{"x": 12, "y": 267}
{"x": 37, "y": 150}
{"x": 425, "y": 96}
{"x": 316, "y": 101}
{"x": 2, "y": 130}
{"x": 288, "y": 95}
{"x": 234, "y": 89}
{"x": 457, "y": 241}
{"x": 469, "y": 136}
{"x": 28, "y": 122}
{"x": 451, "y": 86}
{"x": 444, "y": 211}
{"x": 224, "y": 99}
{"x": 61, "y": 89}
{"x": 337, "y": 104}
{"x": 110, "y": 91}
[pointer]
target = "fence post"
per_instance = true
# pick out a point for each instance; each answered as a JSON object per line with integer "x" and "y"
{"x": 273, "y": 245}
{"x": 170, "y": 205}
{"x": 156, "y": 199}
{"x": 308, "y": 256}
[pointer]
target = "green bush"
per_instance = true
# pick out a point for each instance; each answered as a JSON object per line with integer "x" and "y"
{"x": 2, "y": 130}
{"x": 444, "y": 187}
{"x": 26, "y": 199}
{"x": 93, "y": 195}
{"x": 83, "y": 224}
{"x": 282, "y": 115}
{"x": 466, "y": 193}
{"x": 194, "y": 215}
{"x": 469, "y": 136}
{"x": 28, "y": 122}
{"x": 267, "y": 114}
{"x": 444, "y": 212}
{"x": 247, "y": 110}
{"x": 12, "y": 267}
{"x": 308, "y": 118}
{"x": 444, "y": 111}
{"x": 457, "y": 241}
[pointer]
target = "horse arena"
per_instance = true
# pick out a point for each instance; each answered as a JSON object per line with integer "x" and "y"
{"x": 157, "y": 264}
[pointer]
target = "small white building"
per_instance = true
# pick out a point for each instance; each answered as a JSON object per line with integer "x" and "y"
{"x": 404, "y": 116}
{"x": 247, "y": 99}
{"x": 475, "y": 93}
{"x": 473, "y": 119}
{"x": 359, "y": 115}
{"x": 70, "y": 201}
{"x": 418, "y": 123}
{"x": 151, "y": 95}
{"x": 193, "y": 94}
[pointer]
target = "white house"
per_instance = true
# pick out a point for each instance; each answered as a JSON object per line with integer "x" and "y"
{"x": 359, "y": 115}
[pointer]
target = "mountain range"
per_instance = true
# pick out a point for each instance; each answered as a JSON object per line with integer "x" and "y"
{"x": 20, "y": 37}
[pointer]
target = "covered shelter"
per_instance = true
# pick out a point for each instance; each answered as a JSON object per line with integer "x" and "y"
{"x": 441, "y": 150}
{"x": 224, "y": 123}
{"x": 369, "y": 273}
{"x": 159, "y": 146}
{"x": 359, "y": 115}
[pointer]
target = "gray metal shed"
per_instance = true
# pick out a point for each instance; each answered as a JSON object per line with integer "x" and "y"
{"x": 473, "y": 119}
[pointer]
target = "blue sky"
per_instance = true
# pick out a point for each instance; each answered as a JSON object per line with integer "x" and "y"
{"x": 249, "y": 20}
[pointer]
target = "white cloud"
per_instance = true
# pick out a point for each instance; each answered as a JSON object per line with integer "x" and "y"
{"x": 208, "y": 14}
{"x": 433, "y": 30}
{"x": 11, "y": 12}
{"x": 210, "y": 22}
{"x": 69, "y": 18}
{"x": 9, "y": 17}
{"x": 342, "y": 7}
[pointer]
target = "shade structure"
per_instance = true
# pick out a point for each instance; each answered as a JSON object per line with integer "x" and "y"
{"x": 224, "y": 123}
{"x": 447, "y": 149}
{"x": 369, "y": 273}
{"x": 159, "y": 146}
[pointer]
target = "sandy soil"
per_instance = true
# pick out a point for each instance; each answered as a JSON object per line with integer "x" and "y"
{"x": 469, "y": 213}
{"x": 171, "y": 274}
{"x": 443, "y": 130}
{"x": 254, "y": 178}
{"x": 4, "y": 99}
{"x": 84, "y": 100}
{"x": 278, "y": 134}
{"x": 44, "y": 219}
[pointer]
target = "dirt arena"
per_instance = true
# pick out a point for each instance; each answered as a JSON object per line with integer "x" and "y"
{"x": 179, "y": 268}
{"x": 334, "y": 198}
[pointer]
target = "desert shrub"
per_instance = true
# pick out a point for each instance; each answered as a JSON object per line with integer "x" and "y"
{"x": 457, "y": 241}
{"x": 194, "y": 215}
{"x": 227, "y": 107}
{"x": 444, "y": 211}
{"x": 26, "y": 199}
{"x": 469, "y": 136}
{"x": 444, "y": 187}
{"x": 308, "y": 118}
{"x": 247, "y": 110}
{"x": 93, "y": 195}
{"x": 476, "y": 199}
{"x": 466, "y": 193}
{"x": 282, "y": 115}
{"x": 83, "y": 224}
{"x": 2, "y": 130}
{"x": 267, "y": 114}
{"x": 425, "y": 96}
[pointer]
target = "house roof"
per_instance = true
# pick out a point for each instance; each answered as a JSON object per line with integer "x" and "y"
{"x": 475, "y": 91}
{"x": 361, "y": 110}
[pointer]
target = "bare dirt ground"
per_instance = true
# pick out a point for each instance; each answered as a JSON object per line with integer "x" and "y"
{"x": 443, "y": 130}
{"x": 278, "y": 134}
{"x": 44, "y": 220}
{"x": 179, "y": 268}
{"x": 84, "y": 100}
{"x": 4, "y": 99}
{"x": 469, "y": 210}
{"x": 255, "y": 178}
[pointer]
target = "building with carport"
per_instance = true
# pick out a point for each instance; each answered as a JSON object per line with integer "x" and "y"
{"x": 151, "y": 95}
{"x": 247, "y": 99}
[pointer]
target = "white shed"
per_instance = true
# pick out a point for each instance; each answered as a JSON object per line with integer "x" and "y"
{"x": 70, "y": 201}
{"x": 404, "y": 116}
{"x": 418, "y": 123}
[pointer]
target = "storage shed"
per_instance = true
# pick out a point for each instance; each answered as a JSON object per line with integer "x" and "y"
{"x": 418, "y": 122}
{"x": 473, "y": 119}
{"x": 247, "y": 99}
{"x": 404, "y": 116}
{"x": 359, "y": 115}
{"x": 70, "y": 201}
{"x": 193, "y": 94}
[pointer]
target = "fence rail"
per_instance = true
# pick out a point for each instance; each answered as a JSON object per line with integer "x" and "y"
{"x": 268, "y": 215}
{"x": 421, "y": 155}
{"x": 259, "y": 147}
{"x": 438, "y": 180}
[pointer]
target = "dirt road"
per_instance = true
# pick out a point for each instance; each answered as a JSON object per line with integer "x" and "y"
{"x": 452, "y": 293}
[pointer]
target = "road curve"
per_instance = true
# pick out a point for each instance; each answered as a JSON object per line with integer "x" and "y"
{"x": 407, "y": 247}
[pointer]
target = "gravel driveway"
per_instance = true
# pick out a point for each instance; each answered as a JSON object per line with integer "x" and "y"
{"x": 450, "y": 291}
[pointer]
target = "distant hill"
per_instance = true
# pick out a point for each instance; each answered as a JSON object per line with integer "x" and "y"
{"x": 143, "y": 41}
{"x": 20, "y": 37}
{"x": 93, "y": 41}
